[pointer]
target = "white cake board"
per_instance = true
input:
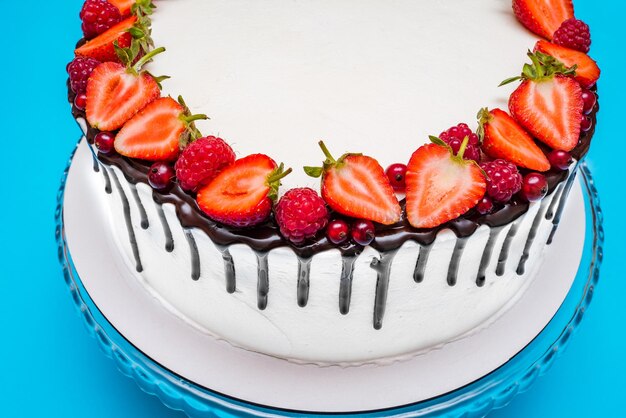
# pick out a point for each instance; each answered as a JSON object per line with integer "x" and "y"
{"x": 268, "y": 381}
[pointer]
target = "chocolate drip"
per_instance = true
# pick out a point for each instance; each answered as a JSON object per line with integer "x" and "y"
{"x": 96, "y": 164}
{"x": 107, "y": 181}
{"x": 532, "y": 234}
{"x": 304, "y": 271}
{"x": 169, "y": 240}
{"x": 145, "y": 224}
{"x": 382, "y": 266}
{"x": 453, "y": 269}
{"x": 263, "y": 285}
{"x": 555, "y": 199}
{"x": 420, "y": 265}
{"x": 345, "y": 282}
{"x": 506, "y": 247}
{"x": 229, "y": 269}
{"x": 562, "y": 203}
{"x": 129, "y": 224}
{"x": 494, "y": 233}
{"x": 195, "y": 255}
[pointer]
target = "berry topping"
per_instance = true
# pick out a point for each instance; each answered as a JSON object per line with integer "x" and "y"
{"x": 504, "y": 138}
{"x": 242, "y": 195}
{"x": 441, "y": 186}
{"x": 548, "y": 103}
{"x": 157, "y": 132}
{"x": 543, "y": 17}
{"x": 300, "y": 214}
{"x": 534, "y": 187}
{"x": 585, "y": 123}
{"x": 587, "y": 71}
{"x": 161, "y": 175}
{"x": 126, "y": 6}
{"x": 98, "y": 16}
{"x": 396, "y": 173}
{"x": 363, "y": 232}
{"x": 573, "y": 34}
{"x": 79, "y": 71}
{"x": 104, "y": 141}
{"x": 356, "y": 185}
{"x": 80, "y": 101}
{"x": 102, "y": 47}
{"x": 503, "y": 180}
{"x": 454, "y": 138}
{"x": 115, "y": 93}
{"x": 338, "y": 231}
{"x": 201, "y": 161}
{"x": 485, "y": 205}
{"x": 589, "y": 101}
{"x": 560, "y": 160}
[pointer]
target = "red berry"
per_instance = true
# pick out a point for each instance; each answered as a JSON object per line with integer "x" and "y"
{"x": 80, "y": 101}
{"x": 534, "y": 187}
{"x": 161, "y": 175}
{"x": 338, "y": 231}
{"x": 485, "y": 205}
{"x": 300, "y": 214}
{"x": 104, "y": 141}
{"x": 589, "y": 101}
{"x": 585, "y": 123}
{"x": 97, "y": 17}
{"x": 503, "y": 180}
{"x": 363, "y": 232}
{"x": 202, "y": 161}
{"x": 396, "y": 173}
{"x": 573, "y": 34}
{"x": 454, "y": 138}
{"x": 79, "y": 71}
{"x": 560, "y": 160}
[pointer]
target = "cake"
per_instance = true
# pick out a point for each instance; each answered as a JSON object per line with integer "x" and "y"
{"x": 331, "y": 259}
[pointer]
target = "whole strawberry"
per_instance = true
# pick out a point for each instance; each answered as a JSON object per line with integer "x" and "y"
{"x": 201, "y": 161}
{"x": 573, "y": 34}
{"x": 79, "y": 71}
{"x": 98, "y": 16}
{"x": 503, "y": 180}
{"x": 300, "y": 214}
{"x": 454, "y": 138}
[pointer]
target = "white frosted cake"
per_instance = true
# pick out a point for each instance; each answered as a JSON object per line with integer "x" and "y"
{"x": 372, "y": 77}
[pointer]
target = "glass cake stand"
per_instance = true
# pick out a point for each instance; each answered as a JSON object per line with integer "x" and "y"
{"x": 490, "y": 391}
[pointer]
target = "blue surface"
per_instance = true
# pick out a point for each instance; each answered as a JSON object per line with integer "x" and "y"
{"x": 51, "y": 367}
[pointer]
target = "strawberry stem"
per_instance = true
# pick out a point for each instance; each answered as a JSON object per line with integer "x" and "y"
{"x": 137, "y": 67}
{"x": 193, "y": 118}
{"x": 463, "y": 147}
{"x": 327, "y": 153}
{"x": 279, "y": 174}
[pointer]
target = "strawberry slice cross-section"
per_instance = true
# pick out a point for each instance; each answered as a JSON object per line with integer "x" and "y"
{"x": 587, "y": 71}
{"x": 543, "y": 17}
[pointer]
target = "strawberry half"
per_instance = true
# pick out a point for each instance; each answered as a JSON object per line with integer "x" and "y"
{"x": 355, "y": 185}
{"x": 548, "y": 103}
{"x": 503, "y": 138}
{"x": 102, "y": 47}
{"x": 587, "y": 71}
{"x": 243, "y": 194}
{"x": 543, "y": 17}
{"x": 441, "y": 186}
{"x": 115, "y": 93}
{"x": 126, "y": 6}
{"x": 158, "y": 131}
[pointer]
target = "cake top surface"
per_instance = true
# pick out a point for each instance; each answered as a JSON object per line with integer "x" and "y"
{"x": 375, "y": 77}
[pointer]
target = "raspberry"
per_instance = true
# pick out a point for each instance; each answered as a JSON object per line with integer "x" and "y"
{"x": 300, "y": 214}
{"x": 454, "y": 138}
{"x": 573, "y": 34}
{"x": 98, "y": 16}
{"x": 79, "y": 71}
{"x": 202, "y": 161}
{"x": 503, "y": 180}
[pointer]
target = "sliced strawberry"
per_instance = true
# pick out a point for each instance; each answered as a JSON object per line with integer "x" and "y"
{"x": 543, "y": 17}
{"x": 504, "y": 138}
{"x": 143, "y": 7}
{"x": 115, "y": 93}
{"x": 356, "y": 186}
{"x": 123, "y": 6}
{"x": 102, "y": 47}
{"x": 587, "y": 71}
{"x": 157, "y": 131}
{"x": 441, "y": 186}
{"x": 548, "y": 103}
{"x": 243, "y": 194}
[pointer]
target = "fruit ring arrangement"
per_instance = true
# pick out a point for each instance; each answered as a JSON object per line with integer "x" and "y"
{"x": 511, "y": 159}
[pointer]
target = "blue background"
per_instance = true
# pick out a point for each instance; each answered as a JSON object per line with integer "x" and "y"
{"x": 51, "y": 367}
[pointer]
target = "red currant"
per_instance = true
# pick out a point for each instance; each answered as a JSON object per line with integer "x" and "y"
{"x": 585, "y": 123}
{"x": 534, "y": 187}
{"x": 104, "y": 141}
{"x": 80, "y": 101}
{"x": 161, "y": 175}
{"x": 589, "y": 101}
{"x": 338, "y": 231}
{"x": 363, "y": 232}
{"x": 396, "y": 173}
{"x": 485, "y": 205}
{"x": 560, "y": 160}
